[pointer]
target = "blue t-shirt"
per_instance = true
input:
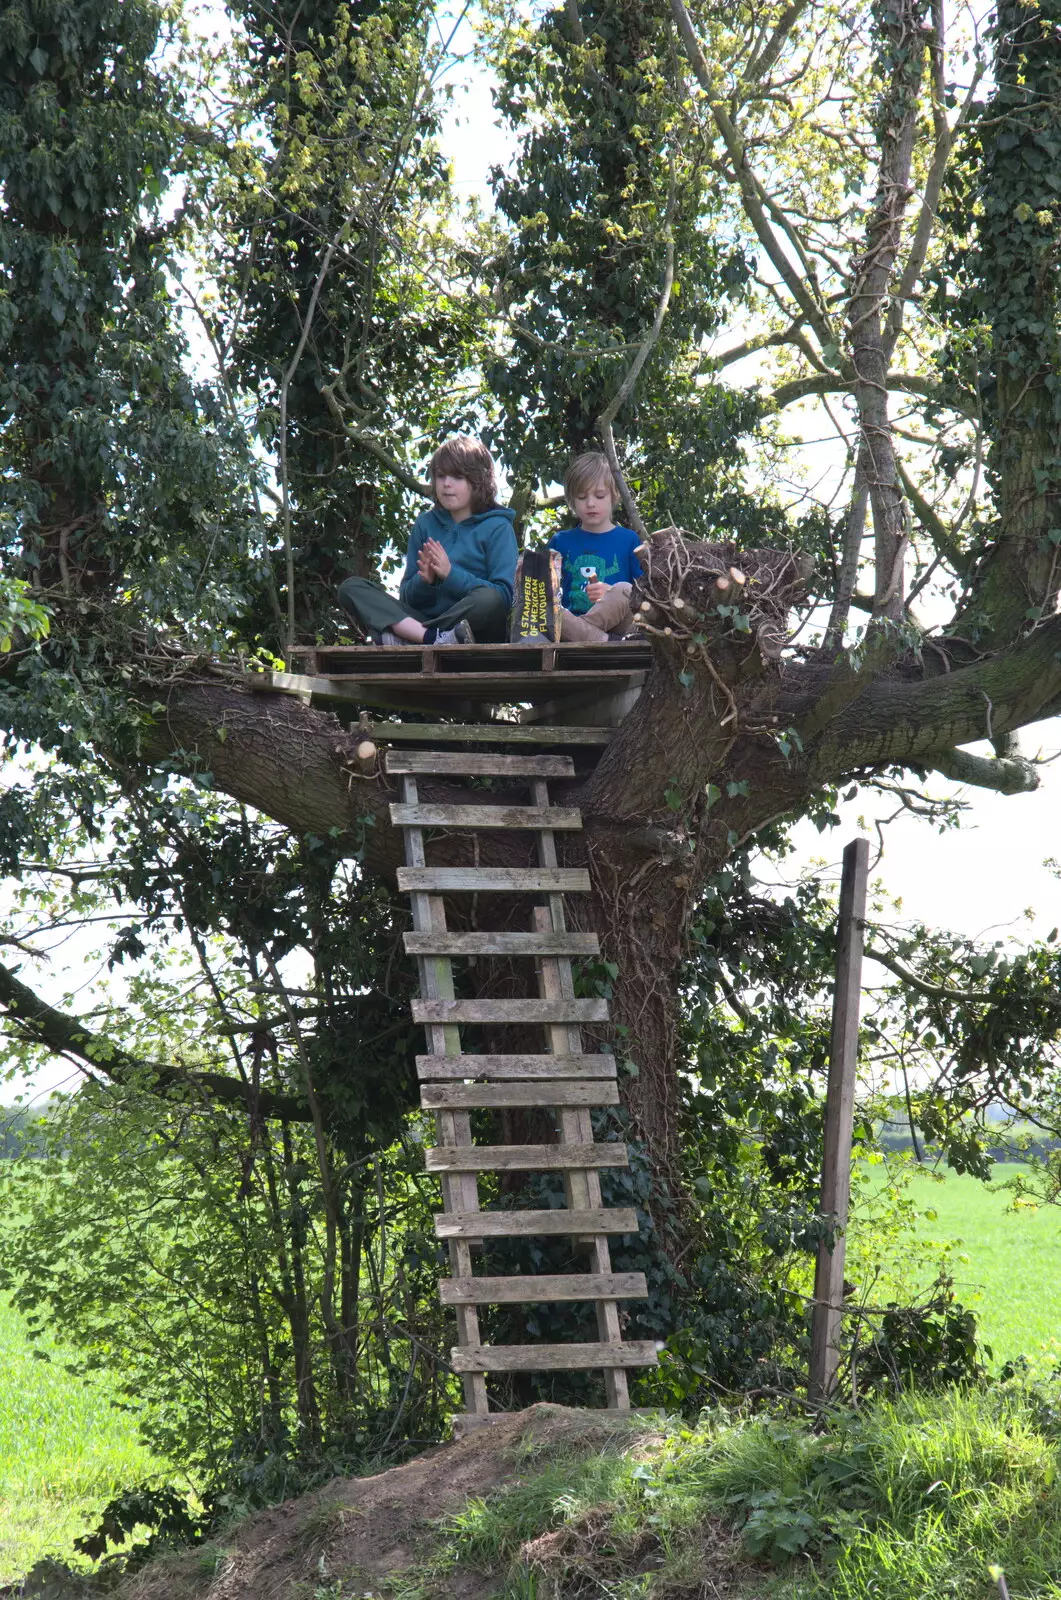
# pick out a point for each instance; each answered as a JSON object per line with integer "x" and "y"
{"x": 594, "y": 558}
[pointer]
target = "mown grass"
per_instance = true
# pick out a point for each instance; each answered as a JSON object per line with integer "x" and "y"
{"x": 907, "y": 1499}
{"x": 1005, "y": 1267}
{"x": 64, "y": 1451}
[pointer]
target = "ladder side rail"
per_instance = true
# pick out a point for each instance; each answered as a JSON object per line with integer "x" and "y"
{"x": 576, "y": 1126}
{"x": 460, "y": 1191}
{"x": 583, "y": 1189}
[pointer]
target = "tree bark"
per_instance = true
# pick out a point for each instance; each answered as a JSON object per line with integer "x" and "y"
{"x": 904, "y": 36}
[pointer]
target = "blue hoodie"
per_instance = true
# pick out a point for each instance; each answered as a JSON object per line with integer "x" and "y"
{"x": 481, "y": 548}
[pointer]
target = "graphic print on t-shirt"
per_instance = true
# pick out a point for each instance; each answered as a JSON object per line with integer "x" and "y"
{"x": 587, "y": 568}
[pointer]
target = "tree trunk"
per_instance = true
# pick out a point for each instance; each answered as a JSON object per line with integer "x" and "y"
{"x": 904, "y": 35}
{"x": 642, "y": 932}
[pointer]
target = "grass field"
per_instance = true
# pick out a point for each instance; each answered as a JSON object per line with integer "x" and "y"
{"x": 1007, "y": 1267}
{"x": 63, "y": 1451}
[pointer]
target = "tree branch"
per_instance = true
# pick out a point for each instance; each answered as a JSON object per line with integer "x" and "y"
{"x": 763, "y": 341}
{"x": 43, "y": 1024}
{"x": 934, "y": 991}
{"x": 1005, "y": 775}
{"x": 750, "y": 188}
{"x": 944, "y": 142}
{"x": 759, "y": 65}
{"x": 648, "y": 343}
{"x": 942, "y": 538}
{"x": 574, "y": 21}
{"x": 374, "y": 448}
{"x": 630, "y": 510}
{"x": 626, "y": 388}
{"x": 827, "y": 383}
{"x": 854, "y": 527}
{"x": 285, "y": 388}
{"x": 918, "y": 724}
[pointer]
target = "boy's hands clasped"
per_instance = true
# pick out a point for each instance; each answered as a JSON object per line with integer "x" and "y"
{"x": 432, "y": 562}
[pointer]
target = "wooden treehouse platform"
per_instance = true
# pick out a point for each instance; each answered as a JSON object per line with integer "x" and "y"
{"x": 592, "y": 684}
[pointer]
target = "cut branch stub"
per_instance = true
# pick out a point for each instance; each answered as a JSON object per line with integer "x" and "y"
{"x": 688, "y": 578}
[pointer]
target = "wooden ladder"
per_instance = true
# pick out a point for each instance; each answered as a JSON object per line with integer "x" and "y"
{"x": 565, "y": 1079}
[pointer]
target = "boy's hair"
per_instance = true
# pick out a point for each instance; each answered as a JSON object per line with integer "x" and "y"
{"x": 461, "y": 457}
{"x": 587, "y": 469}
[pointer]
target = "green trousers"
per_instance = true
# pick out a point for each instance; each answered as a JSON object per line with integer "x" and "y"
{"x": 373, "y": 609}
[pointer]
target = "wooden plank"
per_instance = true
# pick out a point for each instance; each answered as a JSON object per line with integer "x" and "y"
{"x": 508, "y": 687}
{"x": 300, "y": 683}
{"x": 581, "y": 1189}
{"x": 525, "y": 1224}
{"x": 506, "y": 1010}
{"x": 435, "y": 1067}
{"x": 503, "y": 733}
{"x": 564, "y": 818}
{"x": 457, "y": 694}
{"x": 478, "y": 1096}
{"x": 530, "y": 1288}
{"x": 632, "y": 647}
{"x": 523, "y": 1157}
{"x": 839, "y": 1124}
{"x": 474, "y": 763}
{"x": 553, "y": 1357}
{"x": 494, "y": 880}
{"x": 606, "y": 707}
{"x": 460, "y": 1190}
{"x": 555, "y": 983}
{"x": 502, "y": 944}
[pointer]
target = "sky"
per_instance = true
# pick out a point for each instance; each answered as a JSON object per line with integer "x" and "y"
{"x": 988, "y": 874}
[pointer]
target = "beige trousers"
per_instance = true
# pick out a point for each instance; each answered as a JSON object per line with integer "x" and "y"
{"x": 610, "y": 615}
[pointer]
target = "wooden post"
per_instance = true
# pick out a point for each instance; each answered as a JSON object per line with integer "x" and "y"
{"x": 839, "y": 1122}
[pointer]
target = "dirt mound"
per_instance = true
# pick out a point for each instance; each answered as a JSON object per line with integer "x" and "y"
{"x": 362, "y": 1532}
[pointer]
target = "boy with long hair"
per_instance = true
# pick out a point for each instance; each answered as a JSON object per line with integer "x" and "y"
{"x": 599, "y": 564}
{"x": 460, "y": 564}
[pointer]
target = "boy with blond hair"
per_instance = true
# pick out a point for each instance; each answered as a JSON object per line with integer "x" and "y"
{"x": 598, "y": 561}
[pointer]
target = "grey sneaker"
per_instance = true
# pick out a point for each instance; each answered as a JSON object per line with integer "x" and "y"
{"x": 387, "y": 637}
{"x": 461, "y": 634}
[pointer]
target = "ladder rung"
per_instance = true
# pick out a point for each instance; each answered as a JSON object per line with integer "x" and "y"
{"x": 520, "y": 1224}
{"x": 475, "y": 1096}
{"x": 494, "y": 880}
{"x": 510, "y": 733}
{"x": 560, "y": 818}
{"x": 530, "y": 1288}
{"x": 435, "y": 1068}
{"x": 510, "y": 1010}
{"x": 502, "y": 943}
{"x": 555, "y": 1357}
{"x": 473, "y": 763}
{"x": 523, "y": 1157}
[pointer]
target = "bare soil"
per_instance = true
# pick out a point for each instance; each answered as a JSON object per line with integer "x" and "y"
{"x": 367, "y": 1532}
